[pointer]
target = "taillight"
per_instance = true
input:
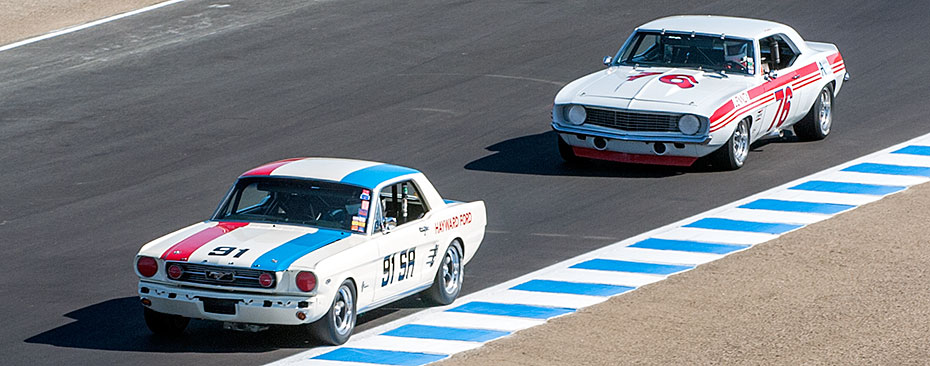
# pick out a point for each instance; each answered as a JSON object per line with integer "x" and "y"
{"x": 175, "y": 271}
{"x": 147, "y": 266}
{"x": 306, "y": 281}
{"x": 266, "y": 279}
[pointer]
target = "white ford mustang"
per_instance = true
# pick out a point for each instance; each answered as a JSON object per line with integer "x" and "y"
{"x": 312, "y": 241}
{"x": 685, "y": 87}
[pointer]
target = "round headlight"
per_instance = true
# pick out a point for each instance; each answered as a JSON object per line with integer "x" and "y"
{"x": 576, "y": 115}
{"x": 689, "y": 124}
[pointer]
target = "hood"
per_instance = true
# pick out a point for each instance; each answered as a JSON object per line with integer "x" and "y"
{"x": 252, "y": 245}
{"x": 666, "y": 85}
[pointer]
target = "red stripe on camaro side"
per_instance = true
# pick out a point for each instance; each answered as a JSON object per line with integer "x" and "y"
{"x": 834, "y": 58}
{"x": 183, "y": 249}
{"x": 268, "y": 168}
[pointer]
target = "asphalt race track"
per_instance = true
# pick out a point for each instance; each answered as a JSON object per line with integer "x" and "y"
{"x": 115, "y": 135}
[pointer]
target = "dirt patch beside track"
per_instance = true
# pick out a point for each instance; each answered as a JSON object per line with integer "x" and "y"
{"x": 849, "y": 290}
{"x": 22, "y": 19}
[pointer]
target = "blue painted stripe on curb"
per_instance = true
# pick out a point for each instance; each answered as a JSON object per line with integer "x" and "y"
{"x": 378, "y": 356}
{"x": 739, "y": 225}
{"x": 575, "y": 288}
{"x": 841, "y": 187}
{"x": 517, "y": 310}
{"x": 634, "y": 267}
{"x": 688, "y": 246}
{"x": 796, "y": 206}
{"x": 890, "y": 169}
{"x": 914, "y": 150}
{"x": 445, "y": 333}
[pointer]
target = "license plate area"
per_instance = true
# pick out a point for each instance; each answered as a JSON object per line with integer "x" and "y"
{"x": 219, "y": 306}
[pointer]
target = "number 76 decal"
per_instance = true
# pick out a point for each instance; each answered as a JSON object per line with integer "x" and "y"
{"x": 783, "y": 96}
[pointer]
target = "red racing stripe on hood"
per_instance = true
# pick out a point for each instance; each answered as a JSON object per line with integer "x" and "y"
{"x": 183, "y": 249}
{"x": 268, "y": 168}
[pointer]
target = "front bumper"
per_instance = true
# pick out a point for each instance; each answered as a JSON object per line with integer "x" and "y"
{"x": 563, "y": 129}
{"x": 238, "y": 307}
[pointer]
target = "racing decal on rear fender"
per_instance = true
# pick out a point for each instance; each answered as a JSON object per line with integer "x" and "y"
{"x": 683, "y": 81}
{"x": 452, "y": 223}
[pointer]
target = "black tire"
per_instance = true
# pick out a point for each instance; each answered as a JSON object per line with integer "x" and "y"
{"x": 165, "y": 324}
{"x": 818, "y": 121}
{"x": 566, "y": 152}
{"x": 336, "y": 326}
{"x": 447, "y": 284}
{"x": 732, "y": 155}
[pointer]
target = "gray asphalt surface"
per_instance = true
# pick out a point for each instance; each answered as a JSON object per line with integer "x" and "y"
{"x": 118, "y": 134}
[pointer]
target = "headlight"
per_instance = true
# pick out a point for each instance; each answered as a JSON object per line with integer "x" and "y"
{"x": 689, "y": 124}
{"x": 576, "y": 115}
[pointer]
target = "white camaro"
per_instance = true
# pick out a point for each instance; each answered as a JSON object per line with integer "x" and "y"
{"x": 684, "y": 87}
{"x": 312, "y": 241}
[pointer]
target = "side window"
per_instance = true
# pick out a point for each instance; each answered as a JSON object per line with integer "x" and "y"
{"x": 403, "y": 202}
{"x": 777, "y": 53}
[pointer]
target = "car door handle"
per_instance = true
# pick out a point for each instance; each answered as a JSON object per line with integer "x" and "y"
{"x": 796, "y": 76}
{"x": 423, "y": 229}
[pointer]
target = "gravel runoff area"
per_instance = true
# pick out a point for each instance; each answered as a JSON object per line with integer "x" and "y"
{"x": 854, "y": 289}
{"x": 21, "y": 19}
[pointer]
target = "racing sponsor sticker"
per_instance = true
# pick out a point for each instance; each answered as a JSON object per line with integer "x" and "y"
{"x": 365, "y": 196}
{"x": 453, "y": 222}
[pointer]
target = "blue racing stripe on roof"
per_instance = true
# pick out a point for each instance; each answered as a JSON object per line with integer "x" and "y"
{"x": 377, "y": 356}
{"x": 371, "y": 176}
{"x": 890, "y": 169}
{"x": 445, "y": 333}
{"x": 516, "y": 310}
{"x": 281, "y": 257}
{"x": 632, "y": 267}
{"x": 715, "y": 223}
{"x": 688, "y": 246}
{"x": 913, "y": 150}
{"x": 796, "y": 206}
{"x": 574, "y": 288}
{"x": 841, "y": 187}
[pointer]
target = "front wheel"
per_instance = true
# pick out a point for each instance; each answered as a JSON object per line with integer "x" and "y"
{"x": 816, "y": 124}
{"x": 336, "y": 326}
{"x": 732, "y": 155}
{"x": 165, "y": 324}
{"x": 448, "y": 281}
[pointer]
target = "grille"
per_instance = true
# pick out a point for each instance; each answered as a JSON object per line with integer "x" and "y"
{"x": 632, "y": 121}
{"x": 221, "y": 276}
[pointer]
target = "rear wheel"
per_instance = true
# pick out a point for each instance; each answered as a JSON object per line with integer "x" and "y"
{"x": 448, "y": 281}
{"x": 732, "y": 155}
{"x": 336, "y": 326}
{"x": 816, "y": 124}
{"x": 165, "y": 324}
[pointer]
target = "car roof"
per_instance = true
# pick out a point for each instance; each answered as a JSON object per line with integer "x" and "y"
{"x": 714, "y": 24}
{"x": 368, "y": 174}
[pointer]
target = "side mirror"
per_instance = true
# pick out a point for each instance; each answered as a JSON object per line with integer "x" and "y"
{"x": 771, "y": 75}
{"x": 388, "y": 224}
{"x": 608, "y": 60}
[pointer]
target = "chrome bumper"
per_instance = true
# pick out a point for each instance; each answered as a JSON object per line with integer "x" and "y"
{"x": 702, "y": 140}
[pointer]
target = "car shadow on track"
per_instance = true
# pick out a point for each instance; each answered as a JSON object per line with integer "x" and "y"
{"x": 538, "y": 155}
{"x": 118, "y": 325}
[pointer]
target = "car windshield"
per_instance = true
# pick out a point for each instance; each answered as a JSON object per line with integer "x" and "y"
{"x": 687, "y": 50}
{"x": 297, "y": 202}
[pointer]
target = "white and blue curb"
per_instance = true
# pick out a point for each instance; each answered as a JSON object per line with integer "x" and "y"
{"x": 591, "y": 278}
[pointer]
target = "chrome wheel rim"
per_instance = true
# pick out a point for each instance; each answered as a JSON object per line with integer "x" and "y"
{"x": 343, "y": 311}
{"x": 451, "y": 271}
{"x": 825, "y": 116}
{"x": 741, "y": 143}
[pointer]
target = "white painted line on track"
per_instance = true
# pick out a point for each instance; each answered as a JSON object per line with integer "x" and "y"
{"x": 645, "y": 258}
{"x": 86, "y": 25}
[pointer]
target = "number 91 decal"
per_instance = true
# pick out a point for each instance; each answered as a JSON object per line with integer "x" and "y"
{"x": 399, "y": 265}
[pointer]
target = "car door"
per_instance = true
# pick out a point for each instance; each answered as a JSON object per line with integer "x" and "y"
{"x": 779, "y": 65}
{"x": 404, "y": 242}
